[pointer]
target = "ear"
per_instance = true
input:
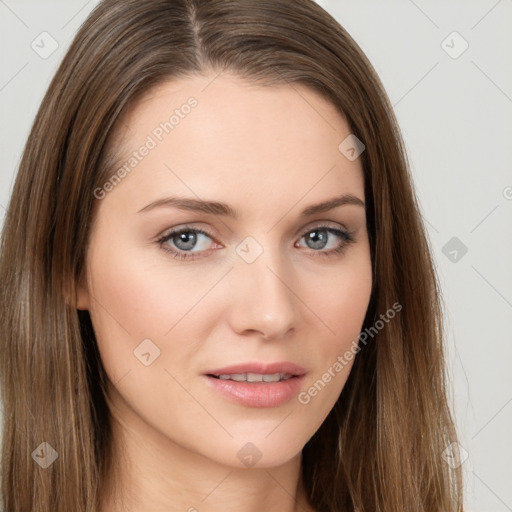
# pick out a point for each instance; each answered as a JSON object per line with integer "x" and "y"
{"x": 82, "y": 300}
{"x": 78, "y": 296}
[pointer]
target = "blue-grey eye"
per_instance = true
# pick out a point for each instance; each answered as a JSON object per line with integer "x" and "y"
{"x": 319, "y": 238}
{"x": 189, "y": 239}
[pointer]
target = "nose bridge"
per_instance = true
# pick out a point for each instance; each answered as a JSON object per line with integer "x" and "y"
{"x": 263, "y": 300}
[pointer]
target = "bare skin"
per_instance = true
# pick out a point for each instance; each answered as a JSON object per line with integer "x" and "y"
{"x": 268, "y": 152}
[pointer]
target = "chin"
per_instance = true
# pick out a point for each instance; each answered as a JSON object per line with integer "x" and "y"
{"x": 257, "y": 452}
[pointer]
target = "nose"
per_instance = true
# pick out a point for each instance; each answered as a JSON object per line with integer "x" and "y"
{"x": 262, "y": 299}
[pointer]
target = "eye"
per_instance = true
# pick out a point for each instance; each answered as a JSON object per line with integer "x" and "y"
{"x": 322, "y": 237}
{"x": 183, "y": 241}
{"x": 189, "y": 243}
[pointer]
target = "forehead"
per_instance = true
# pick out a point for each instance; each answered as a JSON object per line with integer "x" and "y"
{"x": 212, "y": 131}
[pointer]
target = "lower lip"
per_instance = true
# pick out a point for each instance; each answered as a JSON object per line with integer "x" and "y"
{"x": 258, "y": 394}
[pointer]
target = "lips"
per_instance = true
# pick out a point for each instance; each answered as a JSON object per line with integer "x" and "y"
{"x": 241, "y": 383}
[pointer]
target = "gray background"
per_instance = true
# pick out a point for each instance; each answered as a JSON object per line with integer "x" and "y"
{"x": 455, "y": 111}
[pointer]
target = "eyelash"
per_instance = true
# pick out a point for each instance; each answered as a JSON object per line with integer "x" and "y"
{"x": 346, "y": 236}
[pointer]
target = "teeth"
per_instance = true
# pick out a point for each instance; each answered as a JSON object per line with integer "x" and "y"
{"x": 256, "y": 377}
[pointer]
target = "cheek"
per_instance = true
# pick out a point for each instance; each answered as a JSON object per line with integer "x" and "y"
{"x": 340, "y": 301}
{"x": 143, "y": 292}
{"x": 133, "y": 299}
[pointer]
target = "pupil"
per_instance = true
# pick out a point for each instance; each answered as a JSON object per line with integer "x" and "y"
{"x": 186, "y": 240}
{"x": 319, "y": 239}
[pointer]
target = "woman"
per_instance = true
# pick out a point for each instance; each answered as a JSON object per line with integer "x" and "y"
{"x": 218, "y": 291}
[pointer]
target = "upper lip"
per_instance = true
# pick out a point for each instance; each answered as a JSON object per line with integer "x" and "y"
{"x": 260, "y": 368}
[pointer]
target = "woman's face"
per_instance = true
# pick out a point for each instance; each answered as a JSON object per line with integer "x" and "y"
{"x": 257, "y": 276}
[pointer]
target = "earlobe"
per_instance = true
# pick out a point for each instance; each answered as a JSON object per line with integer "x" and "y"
{"x": 77, "y": 296}
{"x": 82, "y": 299}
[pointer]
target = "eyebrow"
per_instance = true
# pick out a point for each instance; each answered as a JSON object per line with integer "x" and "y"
{"x": 219, "y": 208}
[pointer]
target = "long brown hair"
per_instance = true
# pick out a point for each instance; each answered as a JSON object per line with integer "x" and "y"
{"x": 380, "y": 448}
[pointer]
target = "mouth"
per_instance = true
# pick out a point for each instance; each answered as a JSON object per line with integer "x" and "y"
{"x": 258, "y": 372}
{"x": 257, "y": 385}
{"x": 254, "y": 377}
